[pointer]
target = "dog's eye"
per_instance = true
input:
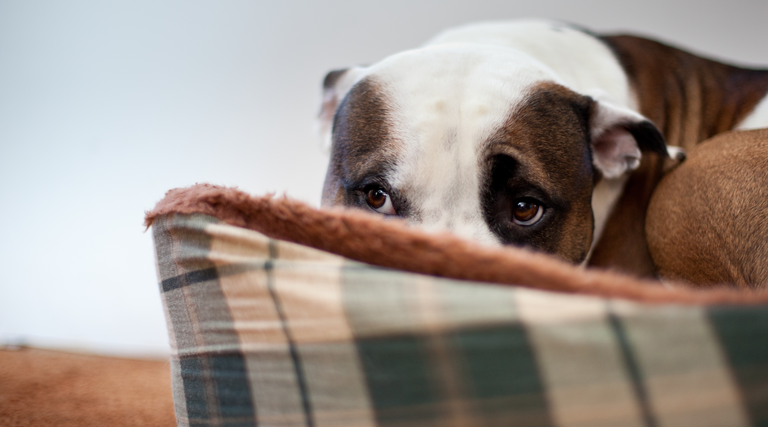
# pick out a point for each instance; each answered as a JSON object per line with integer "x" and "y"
{"x": 526, "y": 212}
{"x": 380, "y": 201}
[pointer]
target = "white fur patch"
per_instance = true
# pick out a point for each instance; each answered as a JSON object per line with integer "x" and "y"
{"x": 758, "y": 118}
{"x": 582, "y": 62}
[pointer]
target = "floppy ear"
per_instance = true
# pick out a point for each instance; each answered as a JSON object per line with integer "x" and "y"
{"x": 619, "y": 135}
{"x": 335, "y": 86}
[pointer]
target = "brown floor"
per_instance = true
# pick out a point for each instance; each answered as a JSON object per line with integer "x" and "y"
{"x": 51, "y": 388}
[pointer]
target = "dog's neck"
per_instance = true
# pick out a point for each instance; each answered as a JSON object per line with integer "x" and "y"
{"x": 690, "y": 99}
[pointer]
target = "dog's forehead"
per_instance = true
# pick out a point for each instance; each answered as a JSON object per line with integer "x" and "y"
{"x": 452, "y": 98}
{"x": 443, "y": 82}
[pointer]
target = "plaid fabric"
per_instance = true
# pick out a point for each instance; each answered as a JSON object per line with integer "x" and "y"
{"x": 271, "y": 333}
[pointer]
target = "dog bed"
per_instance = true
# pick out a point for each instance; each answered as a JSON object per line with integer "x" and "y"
{"x": 280, "y": 314}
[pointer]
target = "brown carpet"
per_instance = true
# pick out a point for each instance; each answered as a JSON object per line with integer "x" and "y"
{"x": 51, "y": 388}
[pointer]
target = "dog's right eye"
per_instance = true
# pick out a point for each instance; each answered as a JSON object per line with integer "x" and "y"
{"x": 380, "y": 201}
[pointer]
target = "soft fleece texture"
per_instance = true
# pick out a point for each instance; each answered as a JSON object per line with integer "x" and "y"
{"x": 390, "y": 243}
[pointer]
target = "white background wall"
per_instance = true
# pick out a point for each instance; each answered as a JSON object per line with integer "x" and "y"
{"x": 105, "y": 105}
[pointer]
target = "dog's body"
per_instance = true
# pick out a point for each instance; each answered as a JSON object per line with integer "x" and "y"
{"x": 707, "y": 221}
{"x": 528, "y": 133}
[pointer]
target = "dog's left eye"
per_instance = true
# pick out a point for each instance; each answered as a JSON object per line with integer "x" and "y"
{"x": 380, "y": 201}
{"x": 526, "y": 212}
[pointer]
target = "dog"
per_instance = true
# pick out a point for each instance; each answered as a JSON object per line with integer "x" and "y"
{"x": 530, "y": 133}
{"x": 707, "y": 222}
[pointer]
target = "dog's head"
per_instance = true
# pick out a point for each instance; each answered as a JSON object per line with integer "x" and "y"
{"x": 480, "y": 140}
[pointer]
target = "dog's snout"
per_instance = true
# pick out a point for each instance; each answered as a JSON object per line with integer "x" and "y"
{"x": 470, "y": 227}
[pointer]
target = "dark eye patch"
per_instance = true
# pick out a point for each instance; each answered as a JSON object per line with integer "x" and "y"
{"x": 363, "y": 154}
{"x": 507, "y": 186}
{"x": 540, "y": 155}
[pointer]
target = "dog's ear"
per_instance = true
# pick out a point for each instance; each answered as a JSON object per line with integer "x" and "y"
{"x": 335, "y": 86}
{"x": 619, "y": 135}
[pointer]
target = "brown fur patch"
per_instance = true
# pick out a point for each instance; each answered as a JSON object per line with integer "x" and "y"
{"x": 390, "y": 243}
{"x": 551, "y": 130}
{"x": 689, "y": 98}
{"x": 363, "y": 149}
{"x": 708, "y": 219}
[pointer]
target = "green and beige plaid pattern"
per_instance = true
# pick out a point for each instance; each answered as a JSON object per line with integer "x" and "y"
{"x": 265, "y": 332}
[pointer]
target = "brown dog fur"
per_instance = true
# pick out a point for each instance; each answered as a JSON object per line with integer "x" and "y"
{"x": 707, "y": 222}
{"x": 364, "y": 237}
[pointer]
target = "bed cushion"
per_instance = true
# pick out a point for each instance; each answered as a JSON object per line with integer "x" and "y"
{"x": 281, "y": 314}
